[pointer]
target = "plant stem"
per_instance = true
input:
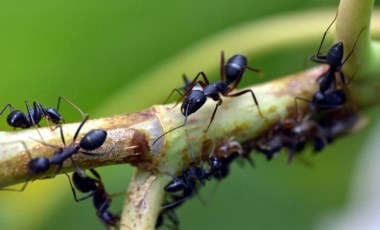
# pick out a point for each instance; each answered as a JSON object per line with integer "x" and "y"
{"x": 353, "y": 16}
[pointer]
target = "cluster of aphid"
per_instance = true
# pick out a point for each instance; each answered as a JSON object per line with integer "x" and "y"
{"x": 94, "y": 139}
{"x": 328, "y": 118}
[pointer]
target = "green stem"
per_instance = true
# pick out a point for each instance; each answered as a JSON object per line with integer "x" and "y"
{"x": 353, "y": 16}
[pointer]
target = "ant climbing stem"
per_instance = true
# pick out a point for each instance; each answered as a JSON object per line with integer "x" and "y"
{"x": 334, "y": 59}
{"x": 95, "y": 189}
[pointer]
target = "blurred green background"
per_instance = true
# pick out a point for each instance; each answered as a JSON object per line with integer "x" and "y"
{"x": 91, "y": 51}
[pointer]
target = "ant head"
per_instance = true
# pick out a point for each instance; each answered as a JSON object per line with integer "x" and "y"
{"x": 39, "y": 165}
{"x": 194, "y": 101}
{"x": 93, "y": 139}
{"x": 335, "y": 55}
{"x": 53, "y": 115}
{"x": 176, "y": 185}
{"x": 235, "y": 67}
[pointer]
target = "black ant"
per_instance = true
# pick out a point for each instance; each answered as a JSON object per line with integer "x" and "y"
{"x": 198, "y": 91}
{"x": 328, "y": 96}
{"x": 95, "y": 189}
{"x": 91, "y": 141}
{"x": 18, "y": 119}
{"x": 186, "y": 183}
{"x": 226, "y": 153}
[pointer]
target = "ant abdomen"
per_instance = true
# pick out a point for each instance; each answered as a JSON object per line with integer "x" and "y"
{"x": 93, "y": 139}
{"x": 39, "y": 165}
{"x": 235, "y": 67}
{"x": 17, "y": 119}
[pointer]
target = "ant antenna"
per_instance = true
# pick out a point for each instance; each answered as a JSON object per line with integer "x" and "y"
{"x": 352, "y": 50}
{"x": 71, "y": 103}
{"x": 325, "y": 33}
{"x": 187, "y": 107}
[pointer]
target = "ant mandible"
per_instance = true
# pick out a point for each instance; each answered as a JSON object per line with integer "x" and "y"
{"x": 101, "y": 199}
{"x": 198, "y": 91}
{"x": 18, "y": 119}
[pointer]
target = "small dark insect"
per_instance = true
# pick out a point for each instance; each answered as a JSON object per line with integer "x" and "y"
{"x": 94, "y": 188}
{"x": 18, "y": 119}
{"x": 220, "y": 161}
{"x": 294, "y": 135}
{"x": 198, "y": 91}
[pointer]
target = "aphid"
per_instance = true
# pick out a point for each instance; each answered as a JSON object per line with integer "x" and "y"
{"x": 199, "y": 91}
{"x": 95, "y": 189}
{"x": 226, "y": 153}
{"x": 18, "y": 119}
{"x": 292, "y": 134}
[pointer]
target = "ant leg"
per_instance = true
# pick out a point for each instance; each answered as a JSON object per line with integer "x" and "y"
{"x": 38, "y": 107}
{"x": 318, "y": 57}
{"x": 71, "y": 103}
{"x": 352, "y": 50}
{"x": 238, "y": 79}
{"x": 173, "y": 219}
{"x": 62, "y": 136}
{"x": 213, "y": 114}
{"x": 186, "y": 82}
{"x": 16, "y": 190}
{"x": 254, "y": 99}
{"x": 343, "y": 78}
{"x": 187, "y": 193}
{"x": 205, "y": 79}
{"x": 10, "y": 107}
{"x": 31, "y": 118}
{"x": 173, "y": 128}
{"x": 298, "y": 114}
{"x": 222, "y": 63}
{"x": 79, "y": 128}
{"x": 174, "y": 90}
{"x": 96, "y": 174}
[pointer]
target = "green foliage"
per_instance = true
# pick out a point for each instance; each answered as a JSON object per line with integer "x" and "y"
{"x": 88, "y": 51}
